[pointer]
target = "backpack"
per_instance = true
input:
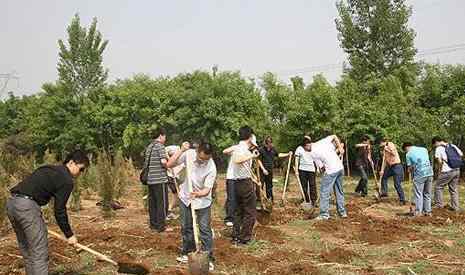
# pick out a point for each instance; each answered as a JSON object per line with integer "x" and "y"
{"x": 454, "y": 160}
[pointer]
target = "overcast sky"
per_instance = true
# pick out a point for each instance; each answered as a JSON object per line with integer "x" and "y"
{"x": 169, "y": 37}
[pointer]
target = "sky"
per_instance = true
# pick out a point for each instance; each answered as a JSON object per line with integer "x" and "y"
{"x": 295, "y": 37}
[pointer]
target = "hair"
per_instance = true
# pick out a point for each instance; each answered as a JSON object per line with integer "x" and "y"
{"x": 406, "y": 144}
{"x": 306, "y": 141}
{"x": 205, "y": 148}
{"x": 365, "y": 138}
{"x": 437, "y": 139}
{"x": 78, "y": 156}
{"x": 157, "y": 132}
{"x": 268, "y": 140}
{"x": 245, "y": 132}
{"x": 384, "y": 139}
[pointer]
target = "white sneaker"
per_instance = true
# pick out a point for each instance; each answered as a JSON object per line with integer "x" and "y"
{"x": 211, "y": 266}
{"x": 320, "y": 218}
{"x": 229, "y": 224}
{"x": 183, "y": 259}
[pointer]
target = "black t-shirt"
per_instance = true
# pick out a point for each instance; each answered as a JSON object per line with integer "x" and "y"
{"x": 362, "y": 158}
{"x": 47, "y": 182}
{"x": 267, "y": 156}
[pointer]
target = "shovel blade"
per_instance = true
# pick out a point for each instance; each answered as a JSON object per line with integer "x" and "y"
{"x": 198, "y": 263}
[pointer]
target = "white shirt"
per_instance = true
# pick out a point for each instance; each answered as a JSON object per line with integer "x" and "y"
{"x": 324, "y": 154}
{"x": 440, "y": 153}
{"x": 305, "y": 159}
{"x": 175, "y": 171}
{"x": 203, "y": 175}
{"x": 229, "y": 171}
{"x": 242, "y": 170}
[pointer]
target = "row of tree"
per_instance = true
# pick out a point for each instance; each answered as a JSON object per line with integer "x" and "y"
{"x": 383, "y": 92}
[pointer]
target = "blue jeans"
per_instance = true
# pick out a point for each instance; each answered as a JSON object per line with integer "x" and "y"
{"x": 326, "y": 186}
{"x": 396, "y": 171}
{"x": 205, "y": 230}
{"x": 423, "y": 189}
{"x": 230, "y": 204}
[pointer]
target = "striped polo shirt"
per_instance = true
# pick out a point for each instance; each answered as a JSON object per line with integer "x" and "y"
{"x": 157, "y": 172}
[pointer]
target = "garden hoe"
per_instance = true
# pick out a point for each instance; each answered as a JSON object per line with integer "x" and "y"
{"x": 283, "y": 199}
{"x": 123, "y": 267}
{"x": 378, "y": 181}
{"x": 198, "y": 260}
{"x": 306, "y": 206}
{"x": 264, "y": 212}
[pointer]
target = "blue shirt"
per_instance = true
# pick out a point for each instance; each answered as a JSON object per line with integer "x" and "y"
{"x": 418, "y": 158}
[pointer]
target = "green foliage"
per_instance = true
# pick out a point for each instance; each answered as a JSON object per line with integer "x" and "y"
{"x": 106, "y": 183}
{"x": 80, "y": 68}
{"x": 376, "y": 37}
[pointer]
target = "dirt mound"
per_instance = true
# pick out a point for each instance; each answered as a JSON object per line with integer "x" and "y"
{"x": 268, "y": 234}
{"x": 295, "y": 268}
{"x": 338, "y": 255}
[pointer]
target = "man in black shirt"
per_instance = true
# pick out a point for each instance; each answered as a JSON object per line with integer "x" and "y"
{"x": 363, "y": 163}
{"x": 267, "y": 156}
{"x": 25, "y": 215}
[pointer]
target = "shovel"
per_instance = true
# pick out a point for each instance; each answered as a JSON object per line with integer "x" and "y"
{"x": 307, "y": 206}
{"x": 123, "y": 267}
{"x": 283, "y": 199}
{"x": 198, "y": 260}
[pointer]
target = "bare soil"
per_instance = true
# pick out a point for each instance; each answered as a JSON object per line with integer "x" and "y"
{"x": 376, "y": 238}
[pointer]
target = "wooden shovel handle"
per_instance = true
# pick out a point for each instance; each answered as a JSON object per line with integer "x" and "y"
{"x": 287, "y": 176}
{"x": 83, "y": 247}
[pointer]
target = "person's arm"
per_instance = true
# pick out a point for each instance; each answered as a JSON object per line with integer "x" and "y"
{"x": 61, "y": 215}
{"x": 389, "y": 148}
{"x": 359, "y": 145}
{"x": 284, "y": 155}
{"x": 338, "y": 144}
{"x": 241, "y": 158}
{"x": 208, "y": 185}
{"x": 260, "y": 164}
{"x": 229, "y": 150}
{"x": 173, "y": 161}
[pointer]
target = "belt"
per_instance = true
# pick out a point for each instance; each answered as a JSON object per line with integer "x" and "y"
{"x": 18, "y": 195}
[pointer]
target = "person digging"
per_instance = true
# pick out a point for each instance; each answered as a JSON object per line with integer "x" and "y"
{"x": 267, "y": 156}
{"x": 195, "y": 195}
{"x": 25, "y": 214}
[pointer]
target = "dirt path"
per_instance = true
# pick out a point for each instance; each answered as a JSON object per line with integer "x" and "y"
{"x": 375, "y": 239}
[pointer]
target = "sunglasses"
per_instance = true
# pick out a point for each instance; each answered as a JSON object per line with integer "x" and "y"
{"x": 82, "y": 169}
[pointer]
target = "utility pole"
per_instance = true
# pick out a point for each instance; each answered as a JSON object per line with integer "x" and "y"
{"x": 6, "y": 78}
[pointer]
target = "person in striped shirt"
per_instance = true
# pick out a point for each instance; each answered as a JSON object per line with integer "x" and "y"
{"x": 157, "y": 182}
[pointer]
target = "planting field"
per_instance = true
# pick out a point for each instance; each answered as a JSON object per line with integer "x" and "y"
{"x": 377, "y": 238}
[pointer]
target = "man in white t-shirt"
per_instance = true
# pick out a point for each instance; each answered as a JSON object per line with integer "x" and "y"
{"x": 230, "y": 203}
{"x": 305, "y": 168}
{"x": 173, "y": 181}
{"x": 202, "y": 175}
{"x": 445, "y": 174}
{"x": 327, "y": 154}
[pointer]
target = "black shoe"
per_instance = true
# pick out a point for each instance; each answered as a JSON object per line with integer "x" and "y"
{"x": 383, "y": 195}
{"x": 235, "y": 240}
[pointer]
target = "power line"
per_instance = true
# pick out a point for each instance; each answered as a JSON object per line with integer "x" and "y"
{"x": 339, "y": 66}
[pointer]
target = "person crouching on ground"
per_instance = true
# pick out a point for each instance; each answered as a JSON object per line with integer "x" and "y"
{"x": 419, "y": 164}
{"x": 24, "y": 209}
{"x": 327, "y": 154}
{"x": 202, "y": 176}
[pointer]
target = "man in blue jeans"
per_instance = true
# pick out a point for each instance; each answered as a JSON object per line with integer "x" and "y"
{"x": 202, "y": 176}
{"x": 393, "y": 168}
{"x": 327, "y": 154}
{"x": 419, "y": 163}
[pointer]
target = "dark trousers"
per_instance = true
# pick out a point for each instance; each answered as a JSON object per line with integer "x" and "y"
{"x": 245, "y": 213}
{"x": 397, "y": 172}
{"x": 187, "y": 229}
{"x": 362, "y": 186}
{"x": 307, "y": 180}
{"x": 25, "y": 216}
{"x": 230, "y": 204}
{"x": 268, "y": 180}
{"x": 158, "y": 205}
